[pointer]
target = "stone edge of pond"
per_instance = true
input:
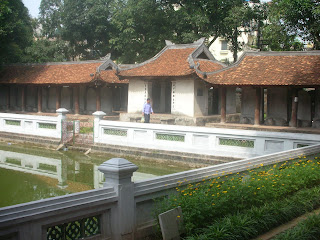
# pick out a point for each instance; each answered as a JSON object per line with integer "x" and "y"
{"x": 195, "y": 159}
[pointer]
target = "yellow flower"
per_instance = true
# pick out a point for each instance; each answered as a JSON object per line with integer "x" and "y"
{"x": 178, "y": 216}
{"x": 258, "y": 188}
{"x": 213, "y": 204}
{"x": 224, "y": 191}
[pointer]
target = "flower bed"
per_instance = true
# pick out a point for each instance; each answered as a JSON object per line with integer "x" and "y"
{"x": 206, "y": 202}
{"x": 251, "y": 223}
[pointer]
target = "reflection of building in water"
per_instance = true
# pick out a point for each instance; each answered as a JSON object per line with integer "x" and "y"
{"x": 49, "y": 167}
{"x": 61, "y": 169}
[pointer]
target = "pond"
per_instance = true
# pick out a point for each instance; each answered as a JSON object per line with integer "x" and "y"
{"x": 29, "y": 173}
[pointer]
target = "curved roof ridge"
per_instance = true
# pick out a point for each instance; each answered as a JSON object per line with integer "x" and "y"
{"x": 262, "y": 53}
{"x": 55, "y": 63}
{"x": 169, "y": 45}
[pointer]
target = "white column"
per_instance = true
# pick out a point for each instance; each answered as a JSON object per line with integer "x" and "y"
{"x": 98, "y": 115}
{"x": 62, "y": 115}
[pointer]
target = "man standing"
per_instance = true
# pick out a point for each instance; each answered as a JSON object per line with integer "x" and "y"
{"x": 146, "y": 111}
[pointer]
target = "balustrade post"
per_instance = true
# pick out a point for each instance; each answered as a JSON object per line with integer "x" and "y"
{"x": 98, "y": 115}
{"x": 118, "y": 173}
{"x": 62, "y": 115}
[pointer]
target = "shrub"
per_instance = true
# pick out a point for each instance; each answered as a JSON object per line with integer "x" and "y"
{"x": 205, "y": 202}
{"x": 257, "y": 220}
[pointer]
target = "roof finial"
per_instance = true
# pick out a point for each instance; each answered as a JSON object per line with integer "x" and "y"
{"x": 107, "y": 57}
{"x": 200, "y": 41}
{"x": 169, "y": 43}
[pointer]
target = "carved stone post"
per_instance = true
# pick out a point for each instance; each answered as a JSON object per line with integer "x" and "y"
{"x": 118, "y": 173}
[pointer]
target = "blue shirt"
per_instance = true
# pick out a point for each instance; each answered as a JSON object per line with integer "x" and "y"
{"x": 147, "y": 109}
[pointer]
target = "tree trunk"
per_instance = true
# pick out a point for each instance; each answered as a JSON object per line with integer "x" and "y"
{"x": 235, "y": 45}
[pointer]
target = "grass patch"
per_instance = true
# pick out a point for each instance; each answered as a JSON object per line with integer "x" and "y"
{"x": 84, "y": 130}
{"x": 307, "y": 229}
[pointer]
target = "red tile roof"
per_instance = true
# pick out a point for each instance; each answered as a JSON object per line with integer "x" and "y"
{"x": 171, "y": 62}
{"x": 208, "y": 65}
{"x": 268, "y": 69}
{"x": 110, "y": 76}
{"x": 56, "y": 73}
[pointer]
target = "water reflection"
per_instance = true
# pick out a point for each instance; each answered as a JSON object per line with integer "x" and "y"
{"x": 28, "y": 174}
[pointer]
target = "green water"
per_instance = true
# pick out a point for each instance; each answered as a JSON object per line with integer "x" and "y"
{"x": 29, "y": 173}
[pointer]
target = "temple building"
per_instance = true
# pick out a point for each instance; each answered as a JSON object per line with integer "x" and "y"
{"x": 183, "y": 81}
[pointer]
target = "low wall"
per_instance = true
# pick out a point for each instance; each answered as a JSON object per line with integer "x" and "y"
{"x": 199, "y": 140}
{"x": 34, "y": 125}
{"x": 120, "y": 210}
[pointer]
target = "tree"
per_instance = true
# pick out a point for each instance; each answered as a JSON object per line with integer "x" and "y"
{"x": 301, "y": 17}
{"x": 86, "y": 26}
{"x": 51, "y": 17}
{"x": 278, "y": 38}
{"x": 45, "y": 50}
{"x": 15, "y": 31}
{"x": 140, "y": 29}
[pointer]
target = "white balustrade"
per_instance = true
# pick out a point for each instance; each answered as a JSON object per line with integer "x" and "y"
{"x": 35, "y": 125}
{"x": 200, "y": 140}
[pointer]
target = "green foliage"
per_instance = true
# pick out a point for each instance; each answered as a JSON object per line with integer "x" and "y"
{"x": 134, "y": 31}
{"x": 257, "y": 220}
{"x": 15, "y": 31}
{"x": 305, "y": 230}
{"x": 85, "y": 130}
{"x": 86, "y": 26}
{"x": 45, "y": 50}
{"x": 212, "y": 199}
{"x": 279, "y": 39}
{"x": 140, "y": 29}
{"x": 50, "y": 17}
{"x": 301, "y": 17}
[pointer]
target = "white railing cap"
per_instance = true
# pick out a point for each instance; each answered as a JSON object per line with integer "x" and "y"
{"x": 99, "y": 113}
{"x": 62, "y": 110}
{"x": 118, "y": 165}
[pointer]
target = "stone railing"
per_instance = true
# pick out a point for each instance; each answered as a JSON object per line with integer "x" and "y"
{"x": 200, "y": 140}
{"x": 120, "y": 210}
{"x": 44, "y": 126}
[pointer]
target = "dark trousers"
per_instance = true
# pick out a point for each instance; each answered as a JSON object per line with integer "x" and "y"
{"x": 146, "y": 118}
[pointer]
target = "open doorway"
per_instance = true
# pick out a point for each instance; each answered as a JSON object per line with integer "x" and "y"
{"x": 161, "y": 96}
